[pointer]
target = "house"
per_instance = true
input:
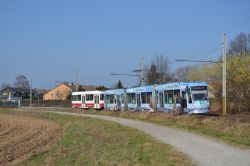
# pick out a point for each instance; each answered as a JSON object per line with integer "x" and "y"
{"x": 62, "y": 91}
{"x": 16, "y": 93}
{"x": 40, "y": 93}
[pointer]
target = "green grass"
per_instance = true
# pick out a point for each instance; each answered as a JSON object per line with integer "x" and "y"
{"x": 229, "y": 129}
{"x": 88, "y": 141}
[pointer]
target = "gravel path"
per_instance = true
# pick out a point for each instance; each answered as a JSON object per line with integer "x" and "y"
{"x": 204, "y": 151}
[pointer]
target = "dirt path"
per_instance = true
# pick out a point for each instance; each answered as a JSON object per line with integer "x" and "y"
{"x": 204, "y": 151}
{"x": 21, "y": 137}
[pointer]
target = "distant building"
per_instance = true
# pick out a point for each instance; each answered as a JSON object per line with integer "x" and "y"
{"x": 62, "y": 91}
{"x": 16, "y": 93}
{"x": 40, "y": 93}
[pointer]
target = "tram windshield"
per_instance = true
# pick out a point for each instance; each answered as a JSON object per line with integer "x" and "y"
{"x": 200, "y": 96}
{"x": 199, "y": 93}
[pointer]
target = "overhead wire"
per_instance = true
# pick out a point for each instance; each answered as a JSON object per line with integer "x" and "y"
{"x": 194, "y": 55}
{"x": 199, "y": 54}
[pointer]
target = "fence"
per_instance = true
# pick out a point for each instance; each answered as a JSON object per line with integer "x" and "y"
{"x": 47, "y": 103}
{"x": 5, "y": 101}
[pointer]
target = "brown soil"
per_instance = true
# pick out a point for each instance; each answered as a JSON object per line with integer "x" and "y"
{"x": 22, "y": 137}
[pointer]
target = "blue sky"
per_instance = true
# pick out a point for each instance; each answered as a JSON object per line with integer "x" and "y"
{"x": 49, "y": 40}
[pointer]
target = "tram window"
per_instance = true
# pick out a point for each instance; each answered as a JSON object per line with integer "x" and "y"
{"x": 144, "y": 97}
{"x": 78, "y": 97}
{"x": 115, "y": 99}
{"x": 128, "y": 97}
{"x": 149, "y": 97}
{"x": 199, "y": 88}
{"x": 107, "y": 98}
{"x": 177, "y": 94}
{"x": 122, "y": 98}
{"x": 189, "y": 96}
{"x": 89, "y": 97}
{"x": 131, "y": 98}
{"x": 111, "y": 99}
{"x": 156, "y": 96}
{"x": 170, "y": 94}
{"x": 166, "y": 96}
{"x": 101, "y": 96}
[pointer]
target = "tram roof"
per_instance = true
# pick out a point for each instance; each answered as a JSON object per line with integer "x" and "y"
{"x": 140, "y": 89}
{"x": 87, "y": 92}
{"x": 114, "y": 91}
{"x": 180, "y": 85}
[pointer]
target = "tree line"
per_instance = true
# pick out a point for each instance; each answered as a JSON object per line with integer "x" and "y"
{"x": 21, "y": 81}
{"x": 238, "y": 73}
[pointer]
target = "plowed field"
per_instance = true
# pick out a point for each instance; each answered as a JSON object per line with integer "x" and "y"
{"x": 21, "y": 137}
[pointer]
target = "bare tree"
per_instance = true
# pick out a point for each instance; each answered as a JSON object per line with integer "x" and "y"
{"x": 240, "y": 45}
{"x": 5, "y": 85}
{"x": 21, "y": 82}
{"x": 152, "y": 75}
{"x": 162, "y": 65}
{"x": 182, "y": 73}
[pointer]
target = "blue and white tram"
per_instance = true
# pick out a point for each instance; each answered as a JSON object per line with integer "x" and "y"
{"x": 140, "y": 98}
{"x": 189, "y": 97}
{"x": 114, "y": 99}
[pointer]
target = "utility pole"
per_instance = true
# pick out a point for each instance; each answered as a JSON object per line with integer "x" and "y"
{"x": 30, "y": 92}
{"x": 154, "y": 98}
{"x": 77, "y": 75}
{"x": 139, "y": 73}
{"x": 224, "y": 73}
{"x": 38, "y": 98}
{"x": 224, "y": 76}
{"x": 142, "y": 72}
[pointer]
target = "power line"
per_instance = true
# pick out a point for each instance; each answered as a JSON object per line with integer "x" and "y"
{"x": 116, "y": 74}
{"x": 107, "y": 78}
{"x": 201, "y": 53}
{"x": 140, "y": 73}
{"x": 188, "y": 60}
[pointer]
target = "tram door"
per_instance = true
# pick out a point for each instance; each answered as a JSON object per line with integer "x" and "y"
{"x": 138, "y": 101}
{"x": 119, "y": 102}
{"x": 184, "y": 99}
{"x": 96, "y": 101}
{"x": 161, "y": 100}
{"x": 189, "y": 98}
{"x": 83, "y": 101}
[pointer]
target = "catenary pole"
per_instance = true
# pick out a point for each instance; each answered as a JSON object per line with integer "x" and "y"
{"x": 77, "y": 77}
{"x": 224, "y": 90}
{"x": 30, "y": 92}
{"x": 142, "y": 72}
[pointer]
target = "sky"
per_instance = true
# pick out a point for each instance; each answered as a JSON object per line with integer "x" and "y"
{"x": 50, "y": 40}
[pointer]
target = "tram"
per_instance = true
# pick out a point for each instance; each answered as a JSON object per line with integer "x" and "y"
{"x": 184, "y": 97}
{"x": 88, "y": 99}
{"x": 187, "y": 97}
{"x": 140, "y": 98}
{"x": 114, "y": 99}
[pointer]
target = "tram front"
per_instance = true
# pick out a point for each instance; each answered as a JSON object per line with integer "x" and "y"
{"x": 198, "y": 98}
